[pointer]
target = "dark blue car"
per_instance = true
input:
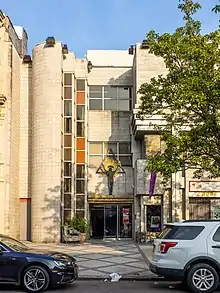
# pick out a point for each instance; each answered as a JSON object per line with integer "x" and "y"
{"x": 34, "y": 270}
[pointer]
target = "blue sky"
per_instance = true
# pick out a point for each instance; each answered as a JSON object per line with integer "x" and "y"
{"x": 99, "y": 24}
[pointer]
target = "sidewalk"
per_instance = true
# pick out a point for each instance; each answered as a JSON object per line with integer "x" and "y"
{"x": 98, "y": 259}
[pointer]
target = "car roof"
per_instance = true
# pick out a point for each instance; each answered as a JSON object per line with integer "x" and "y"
{"x": 206, "y": 223}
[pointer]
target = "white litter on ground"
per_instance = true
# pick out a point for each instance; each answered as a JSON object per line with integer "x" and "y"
{"x": 115, "y": 277}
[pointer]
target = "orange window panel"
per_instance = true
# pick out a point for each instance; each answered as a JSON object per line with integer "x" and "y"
{"x": 80, "y": 144}
{"x": 80, "y": 98}
{"x": 80, "y": 157}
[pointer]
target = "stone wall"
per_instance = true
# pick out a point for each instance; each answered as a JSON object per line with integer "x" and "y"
{"x": 46, "y": 142}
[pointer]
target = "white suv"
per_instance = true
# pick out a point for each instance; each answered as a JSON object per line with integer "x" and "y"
{"x": 190, "y": 252}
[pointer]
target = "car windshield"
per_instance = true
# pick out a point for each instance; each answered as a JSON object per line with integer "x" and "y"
{"x": 13, "y": 244}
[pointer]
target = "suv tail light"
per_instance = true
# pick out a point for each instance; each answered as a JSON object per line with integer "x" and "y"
{"x": 164, "y": 246}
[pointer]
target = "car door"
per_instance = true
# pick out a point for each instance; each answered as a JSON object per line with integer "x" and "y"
{"x": 213, "y": 244}
{"x": 8, "y": 266}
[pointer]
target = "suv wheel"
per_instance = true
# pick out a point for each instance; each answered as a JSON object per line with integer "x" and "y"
{"x": 202, "y": 278}
{"x": 35, "y": 279}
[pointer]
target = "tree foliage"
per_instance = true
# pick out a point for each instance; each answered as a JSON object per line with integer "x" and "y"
{"x": 188, "y": 97}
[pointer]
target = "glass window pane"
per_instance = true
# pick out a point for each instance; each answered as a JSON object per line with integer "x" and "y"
{"x": 95, "y": 161}
{"x": 67, "y": 201}
{"x": 67, "y": 216}
{"x": 68, "y": 140}
{"x": 124, "y": 93}
{"x": 95, "y": 92}
{"x": 67, "y": 108}
{"x": 67, "y": 93}
{"x": 68, "y": 154}
{"x": 80, "y": 171}
{"x": 80, "y": 201}
{"x": 67, "y": 125}
{"x": 113, "y": 147}
{"x": 124, "y": 105}
{"x": 125, "y": 160}
{"x": 95, "y": 104}
{"x": 110, "y": 104}
{"x": 95, "y": 148}
{"x": 124, "y": 148}
{"x": 67, "y": 185}
{"x": 80, "y": 85}
{"x": 110, "y": 92}
{"x": 67, "y": 169}
{"x": 80, "y": 213}
{"x": 67, "y": 78}
{"x": 80, "y": 112}
{"x": 80, "y": 129}
{"x": 80, "y": 186}
{"x": 182, "y": 232}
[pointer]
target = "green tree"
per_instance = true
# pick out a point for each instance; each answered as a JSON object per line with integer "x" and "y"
{"x": 188, "y": 97}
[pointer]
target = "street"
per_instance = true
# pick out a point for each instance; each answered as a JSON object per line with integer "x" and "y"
{"x": 94, "y": 286}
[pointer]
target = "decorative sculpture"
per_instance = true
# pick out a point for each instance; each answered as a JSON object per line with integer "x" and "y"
{"x": 110, "y": 167}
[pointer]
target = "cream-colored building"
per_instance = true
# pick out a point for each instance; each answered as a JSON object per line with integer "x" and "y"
{"x": 71, "y": 144}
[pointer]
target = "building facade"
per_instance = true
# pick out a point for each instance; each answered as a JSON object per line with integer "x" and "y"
{"x": 72, "y": 144}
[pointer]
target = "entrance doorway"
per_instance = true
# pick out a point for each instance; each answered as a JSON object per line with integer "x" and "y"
{"x": 111, "y": 221}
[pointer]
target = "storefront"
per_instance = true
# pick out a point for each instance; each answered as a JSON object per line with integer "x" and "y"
{"x": 111, "y": 221}
{"x": 153, "y": 213}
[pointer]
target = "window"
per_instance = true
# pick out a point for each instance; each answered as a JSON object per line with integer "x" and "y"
{"x": 68, "y": 79}
{"x": 67, "y": 216}
{"x": 67, "y": 169}
{"x": 80, "y": 129}
{"x": 216, "y": 236}
{"x": 180, "y": 232}
{"x": 80, "y": 112}
{"x": 95, "y": 104}
{"x": 67, "y": 108}
{"x": 67, "y": 154}
{"x": 80, "y": 201}
{"x": 67, "y": 125}
{"x": 80, "y": 85}
{"x": 80, "y": 213}
{"x": 98, "y": 151}
{"x": 95, "y": 148}
{"x": 67, "y": 201}
{"x": 80, "y": 171}
{"x": 67, "y": 93}
{"x": 80, "y": 186}
{"x": 112, "y": 98}
{"x": 67, "y": 185}
{"x": 68, "y": 140}
{"x": 95, "y": 92}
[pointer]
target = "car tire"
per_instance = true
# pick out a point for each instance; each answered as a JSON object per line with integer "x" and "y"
{"x": 202, "y": 278}
{"x": 35, "y": 279}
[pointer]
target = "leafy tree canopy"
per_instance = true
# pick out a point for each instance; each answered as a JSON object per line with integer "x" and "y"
{"x": 188, "y": 97}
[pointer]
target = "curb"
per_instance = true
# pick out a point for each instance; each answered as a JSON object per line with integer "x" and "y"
{"x": 136, "y": 279}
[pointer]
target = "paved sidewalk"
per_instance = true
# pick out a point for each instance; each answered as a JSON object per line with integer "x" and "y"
{"x": 98, "y": 259}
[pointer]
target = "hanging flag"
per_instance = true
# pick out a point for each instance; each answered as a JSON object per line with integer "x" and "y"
{"x": 153, "y": 177}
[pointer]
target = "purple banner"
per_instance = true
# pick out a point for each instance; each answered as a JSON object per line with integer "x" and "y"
{"x": 153, "y": 177}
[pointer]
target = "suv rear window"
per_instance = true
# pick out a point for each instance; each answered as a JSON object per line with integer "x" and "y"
{"x": 180, "y": 232}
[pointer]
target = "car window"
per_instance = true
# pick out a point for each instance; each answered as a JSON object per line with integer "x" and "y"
{"x": 216, "y": 236}
{"x": 13, "y": 244}
{"x": 181, "y": 232}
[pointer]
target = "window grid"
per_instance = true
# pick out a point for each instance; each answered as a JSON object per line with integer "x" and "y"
{"x": 105, "y": 146}
{"x": 80, "y": 182}
{"x": 104, "y": 98}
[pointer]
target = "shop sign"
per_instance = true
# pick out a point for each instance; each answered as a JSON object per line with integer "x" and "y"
{"x": 204, "y": 194}
{"x": 204, "y": 186}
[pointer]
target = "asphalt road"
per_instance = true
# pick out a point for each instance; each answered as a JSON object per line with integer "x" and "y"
{"x": 108, "y": 287}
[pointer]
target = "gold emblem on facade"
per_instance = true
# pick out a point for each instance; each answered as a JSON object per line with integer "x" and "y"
{"x": 110, "y": 166}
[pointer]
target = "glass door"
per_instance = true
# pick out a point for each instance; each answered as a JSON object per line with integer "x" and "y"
{"x": 111, "y": 221}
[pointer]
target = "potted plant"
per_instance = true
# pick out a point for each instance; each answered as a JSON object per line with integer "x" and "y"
{"x": 81, "y": 225}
